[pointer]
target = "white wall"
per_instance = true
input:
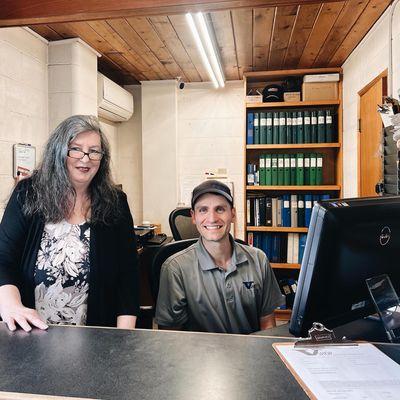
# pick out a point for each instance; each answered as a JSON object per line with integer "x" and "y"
{"x": 110, "y": 130}
{"x": 368, "y": 60}
{"x": 130, "y": 156}
{"x": 159, "y": 155}
{"x": 23, "y": 98}
{"x": 72, "y": 80}
{"x": 211, "y": 136}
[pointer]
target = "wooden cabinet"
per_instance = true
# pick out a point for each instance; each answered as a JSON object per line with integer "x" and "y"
{"x": 255, "y": 154}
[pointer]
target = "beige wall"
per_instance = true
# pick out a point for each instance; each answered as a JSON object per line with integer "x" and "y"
{"x": 23, "y": 98}
{"x": 367, "y": 61}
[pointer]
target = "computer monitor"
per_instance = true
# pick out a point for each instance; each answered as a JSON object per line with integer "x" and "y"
{"x": 349, "y": 241}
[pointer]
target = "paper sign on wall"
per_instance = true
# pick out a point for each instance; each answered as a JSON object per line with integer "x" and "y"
{"x": 24, "y": 159}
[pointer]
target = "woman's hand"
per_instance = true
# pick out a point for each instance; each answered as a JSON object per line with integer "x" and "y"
{"x": 13, "y": 312}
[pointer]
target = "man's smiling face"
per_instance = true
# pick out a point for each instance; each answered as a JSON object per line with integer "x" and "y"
{"x": 213, "y": 216}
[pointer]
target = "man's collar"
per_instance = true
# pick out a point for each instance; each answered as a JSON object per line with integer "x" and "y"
{"x": 207, "y": 263}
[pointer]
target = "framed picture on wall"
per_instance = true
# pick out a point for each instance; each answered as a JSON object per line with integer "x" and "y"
{"x": 24, "y": 156}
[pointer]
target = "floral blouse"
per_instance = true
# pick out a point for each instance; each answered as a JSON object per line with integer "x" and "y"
{"x": 62, "y": 273}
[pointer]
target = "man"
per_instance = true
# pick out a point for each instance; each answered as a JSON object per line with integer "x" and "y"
{"x": 217, "y": 284}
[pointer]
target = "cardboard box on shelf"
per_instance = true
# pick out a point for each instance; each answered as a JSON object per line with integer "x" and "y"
{"x": 254, "y": 98}
{"x": 314, "y": 91}
{"x": 291, "y": 96}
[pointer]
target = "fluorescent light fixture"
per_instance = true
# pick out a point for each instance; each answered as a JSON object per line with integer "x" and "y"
{"x": 201, "y": 39}
{"x": 211, "y": 50}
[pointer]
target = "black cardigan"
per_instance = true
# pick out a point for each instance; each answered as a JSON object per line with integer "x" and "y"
{"x": 113, "y": 277}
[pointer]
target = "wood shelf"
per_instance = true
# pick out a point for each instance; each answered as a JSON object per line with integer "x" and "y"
{"x": 285, "y": 266}
{"x": 286, "y": 104}
{"x": 293, "y": 146}
{"x": 276, "y": 229}
{"x": 294, "y": 188}
{"x": 257, "y": 76}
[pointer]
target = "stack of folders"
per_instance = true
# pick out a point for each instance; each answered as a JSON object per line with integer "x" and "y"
{"x": 289, "y": 127}
{"x": 279, "y": 248}
{"x": 286, "y": 169}
{"x": 289, "y": 210}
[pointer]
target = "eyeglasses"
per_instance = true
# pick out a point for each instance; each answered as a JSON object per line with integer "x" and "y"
{"x": 93, "y": 155}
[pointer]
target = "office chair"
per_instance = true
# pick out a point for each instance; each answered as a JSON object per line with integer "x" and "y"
{"x": 180, "y": 222}
{"x": 163, "y": 253}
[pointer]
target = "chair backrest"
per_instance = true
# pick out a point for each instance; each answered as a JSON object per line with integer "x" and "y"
{"x": 163, "y": 253}
{"x": 180, "y": 222}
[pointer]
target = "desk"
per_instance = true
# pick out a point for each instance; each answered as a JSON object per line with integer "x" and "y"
{"x": 143, "y": 364}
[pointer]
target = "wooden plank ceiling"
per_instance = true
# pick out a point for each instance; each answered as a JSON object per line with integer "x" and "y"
{"x": 249, "y": 39}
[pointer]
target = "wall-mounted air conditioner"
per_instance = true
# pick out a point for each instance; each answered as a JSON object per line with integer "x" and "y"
{"x": 114, "y": 103}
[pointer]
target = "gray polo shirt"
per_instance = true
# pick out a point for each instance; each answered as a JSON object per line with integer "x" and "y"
{"x": 197, "y": 295}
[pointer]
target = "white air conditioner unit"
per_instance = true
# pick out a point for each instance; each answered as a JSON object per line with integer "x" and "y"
{"x": 114, "y": 103}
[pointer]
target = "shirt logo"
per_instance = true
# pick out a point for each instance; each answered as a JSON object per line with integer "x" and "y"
{"x": 249, "y": 284}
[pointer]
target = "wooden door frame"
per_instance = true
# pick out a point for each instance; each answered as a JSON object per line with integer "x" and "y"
{"x": 383, "y": 75}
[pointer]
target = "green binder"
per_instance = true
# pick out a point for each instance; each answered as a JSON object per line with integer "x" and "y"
{"x": 289, "y": 136}
{"x": 307, "y": 126}
{"x": 280, "y": 170}
{"x": 313, "y": 168}
{"x": 256, "y": 128}
{"x": 329, "y": 126}
{"x": 300, "y": 169}
{"x": 274, "y": 170}
{"x": 286, "y": 172}
{"x": 262, "y": 170}
{"x": 268, "y": 170}
{"x": 263, "y": 128}
{"x": 314, "y": 126}
{"x": 275, "y": 127}
{"x": 318, "y": 175}
{"x": 294, "y": 127}
{"x": 269, "y": 128}
{"x": 293, "y": 170}
{"x": 300, "y": 127}
{"x": 307, "y": 169}
{"x": 282, "y": 128}
{"x": 321, "y": 126}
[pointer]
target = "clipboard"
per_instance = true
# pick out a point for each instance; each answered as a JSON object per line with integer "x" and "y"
{"x": 340, "y": 370}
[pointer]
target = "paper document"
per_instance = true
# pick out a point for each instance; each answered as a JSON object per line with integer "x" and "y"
{"x": 343, "y": 372}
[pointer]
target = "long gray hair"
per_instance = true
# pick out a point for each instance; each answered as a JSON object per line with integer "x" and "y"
{"x": 52, "y": 194}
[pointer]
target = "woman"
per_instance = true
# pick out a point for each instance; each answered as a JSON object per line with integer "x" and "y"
{"x": 67, "y": 245}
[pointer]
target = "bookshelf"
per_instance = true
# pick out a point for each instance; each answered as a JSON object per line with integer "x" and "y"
{"x": 330, "y": 151}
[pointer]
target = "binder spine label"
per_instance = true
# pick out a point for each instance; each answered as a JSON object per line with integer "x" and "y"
{"x": 321, "y": 119}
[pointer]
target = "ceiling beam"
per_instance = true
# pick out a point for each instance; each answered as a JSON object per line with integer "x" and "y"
{"x": 32, "y": 12}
